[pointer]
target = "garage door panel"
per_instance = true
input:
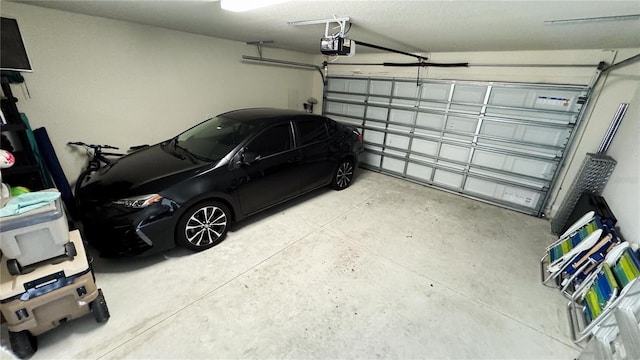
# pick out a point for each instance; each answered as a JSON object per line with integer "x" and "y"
{"x": 348, "y": 85}
{"x": 533, "y": 116}
{"x": 511, "y": 97}
{"x": 447, "y": 179}
{"x": 518, "y": 165}
{"x": 510, "y": 195}
{"x": 530, "y": 167}
{"x": 406, "y": 90}
{"x": 460, "y": 139}
{"x": 372, "y": 159}
{"x": 433, "y": 121}
{"x": 526, "y": 149}
{"x": 507, "y": 131}
{"x": 490, "y": 159}
{"x": 469, "y": 94}
{"x": 455, "y": 167}
{"x": 432, "y": 105}
{"x": 404, "y": 103}
{"x": 374, "y": 137}
{"x": 466, "y": 109}
{"x": 545, "y": 136}
{"x": 400, "y": 128}
{"x": 394, "y": 165}
{"x": 419, "y": 172}
{"x": 349, "y": 97}
{"x": 452, "y": 152}
{"x": 377, "y": 113}
{"x": 398, "y": 141}
{"x": 372, "y": 100}
{"x": 424, "y": 146}
{"x": 523, "y": 197}
{"x": 435, "y": 91}
{"x": 423, "y": 159}
{"x": 497, "y": 142}
{"x": 372, "y": 156}
{"x": 546, "y": 99}
{"x": 461, "y": 124}
{"x": 395, "y": 153}
{"x": 380, "y": 87}
{"x": 512, "y": 178}
{"x": 346, "y": 109}
{"x": 401, "y": 116}
{"x": 526, "y": 133}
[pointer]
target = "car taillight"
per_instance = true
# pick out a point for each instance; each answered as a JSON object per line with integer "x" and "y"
{"x": 358, "y": 135}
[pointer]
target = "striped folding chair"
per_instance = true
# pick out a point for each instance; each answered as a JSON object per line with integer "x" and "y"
{"x": 577, "y": 240}
{"x": 602, "y": 291}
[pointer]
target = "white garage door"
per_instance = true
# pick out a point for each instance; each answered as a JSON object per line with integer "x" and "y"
{"x": 497, "y": 142}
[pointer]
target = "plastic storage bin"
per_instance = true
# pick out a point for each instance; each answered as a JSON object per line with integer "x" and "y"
{"x": 35, "y": 236}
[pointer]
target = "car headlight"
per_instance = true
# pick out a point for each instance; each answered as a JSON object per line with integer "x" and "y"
{"x": 139, "y": 202}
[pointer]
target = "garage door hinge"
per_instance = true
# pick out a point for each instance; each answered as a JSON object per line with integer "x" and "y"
{"x": 582, "y": 100}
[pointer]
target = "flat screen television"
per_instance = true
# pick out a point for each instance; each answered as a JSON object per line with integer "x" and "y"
{"x": 13, "y": 55}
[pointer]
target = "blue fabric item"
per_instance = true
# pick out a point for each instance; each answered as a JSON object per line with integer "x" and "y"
{"x": 44, "y": 172}
{"x": 27, "y": 202}
{"x": 55, "y": 169}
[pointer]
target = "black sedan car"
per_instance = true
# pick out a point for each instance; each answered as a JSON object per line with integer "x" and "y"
{"x": 188, "y": 190}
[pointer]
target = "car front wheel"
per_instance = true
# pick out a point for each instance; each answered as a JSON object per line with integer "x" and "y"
{"x": 343, "y": 175}
{"x": 203, "y": 226}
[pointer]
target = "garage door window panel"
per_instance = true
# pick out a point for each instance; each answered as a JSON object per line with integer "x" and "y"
{"x": 429, "y": 121}
{"x": 435, "y": 91}
{"x": 421, "y": 146}
{"x": 406, "y": 90}
{"x": 377, "y": 113}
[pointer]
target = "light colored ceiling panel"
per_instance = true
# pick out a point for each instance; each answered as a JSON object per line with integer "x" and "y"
{"x": 412, "y": 26}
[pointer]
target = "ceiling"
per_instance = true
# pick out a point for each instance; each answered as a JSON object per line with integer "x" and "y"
{"x": 411, "y": 26}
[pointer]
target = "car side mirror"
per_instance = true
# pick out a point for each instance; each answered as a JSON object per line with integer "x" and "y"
{"x": 249, "y": 157}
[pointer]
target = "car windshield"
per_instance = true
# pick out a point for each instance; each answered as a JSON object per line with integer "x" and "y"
{"x": 212, "y": 139}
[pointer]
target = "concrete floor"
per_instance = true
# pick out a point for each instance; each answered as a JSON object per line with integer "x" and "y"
{"x": 384, "y": 269}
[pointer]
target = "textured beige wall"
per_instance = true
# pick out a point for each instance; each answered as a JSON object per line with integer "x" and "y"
{"x": 105, "y": 81}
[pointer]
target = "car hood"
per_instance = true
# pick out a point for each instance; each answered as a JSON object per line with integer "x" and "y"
{"x": 145, "y": 171}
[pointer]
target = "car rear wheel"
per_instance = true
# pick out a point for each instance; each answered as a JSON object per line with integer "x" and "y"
{"x": 203, "y": 226}
{"x": 343, "y": 175}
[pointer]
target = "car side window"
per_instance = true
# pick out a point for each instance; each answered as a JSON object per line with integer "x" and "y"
{"x": 271, "y": 141}
{"x": 311, "y": 130}
{"x": 332, "y": 127}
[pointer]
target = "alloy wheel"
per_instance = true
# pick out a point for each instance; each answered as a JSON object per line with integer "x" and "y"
{"x": 344, "y": 174}
{"x": 205, "y": 226}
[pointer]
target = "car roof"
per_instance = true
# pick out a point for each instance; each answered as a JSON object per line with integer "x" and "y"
{"x": 270, "y": 115}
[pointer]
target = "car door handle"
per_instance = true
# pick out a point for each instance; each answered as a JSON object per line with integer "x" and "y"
{"x": 294, "y": 159}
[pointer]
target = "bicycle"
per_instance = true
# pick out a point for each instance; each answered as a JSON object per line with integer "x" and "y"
{"x": 97, "y": 158}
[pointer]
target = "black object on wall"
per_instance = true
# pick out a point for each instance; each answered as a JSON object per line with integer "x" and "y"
{"x": 13, "y": 54}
